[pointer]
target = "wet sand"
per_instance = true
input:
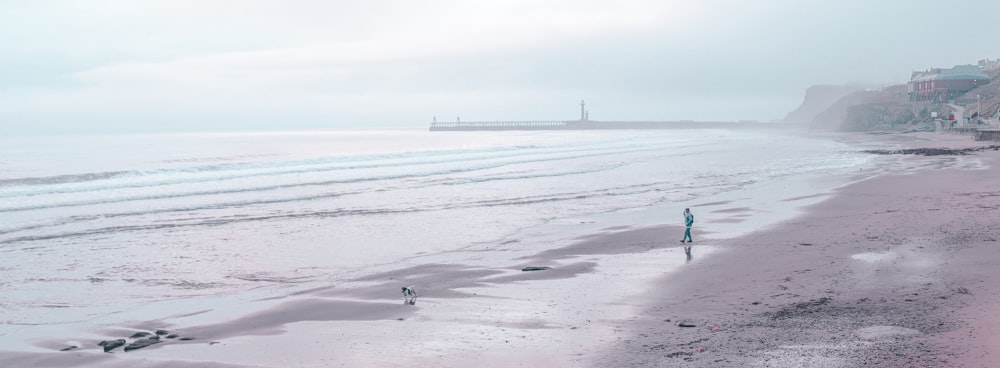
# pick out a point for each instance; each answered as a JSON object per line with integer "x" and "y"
{"x": 895, "y": 271}
{"x": 485, "y": 312}
{"x": 898, "y": 270}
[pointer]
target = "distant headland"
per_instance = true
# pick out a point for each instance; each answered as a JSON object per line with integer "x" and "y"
{"x": 963, "y": 97}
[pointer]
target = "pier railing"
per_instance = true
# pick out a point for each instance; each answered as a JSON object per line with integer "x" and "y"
{"x": 987, "y": 134}
{"x": 594, "y": 125}
{"x": 485, "y": 125}
{"x": 498, "y": 124}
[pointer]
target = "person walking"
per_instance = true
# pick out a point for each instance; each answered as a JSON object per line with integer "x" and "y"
{"x": 688, "y": 221}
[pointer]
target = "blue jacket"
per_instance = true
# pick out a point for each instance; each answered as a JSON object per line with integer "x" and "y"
{"x": 689, "y": 219}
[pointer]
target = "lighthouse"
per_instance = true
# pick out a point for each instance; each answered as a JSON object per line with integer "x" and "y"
{"x": 583, "y": 110}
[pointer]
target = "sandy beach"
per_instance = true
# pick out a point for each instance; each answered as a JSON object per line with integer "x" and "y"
{"x": 895, "y": 270}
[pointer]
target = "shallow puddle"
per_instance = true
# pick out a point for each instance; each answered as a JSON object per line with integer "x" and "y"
{"x": 875, "y": 257}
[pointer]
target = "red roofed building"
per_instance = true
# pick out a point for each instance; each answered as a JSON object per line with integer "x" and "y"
{"x": 941, "y": 85}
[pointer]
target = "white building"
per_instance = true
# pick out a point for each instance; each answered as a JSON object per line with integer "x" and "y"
{"x": 987, "y": 64}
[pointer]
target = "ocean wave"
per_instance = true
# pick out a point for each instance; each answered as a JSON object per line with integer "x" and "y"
{"x": 236, "y": 167}
{"x": 61, "y": 179}
{"x": 83, "y": 183}
{"x": 262, "y": 188}
{"x": 211, "y": 221}
{"x": 531, "y": 176}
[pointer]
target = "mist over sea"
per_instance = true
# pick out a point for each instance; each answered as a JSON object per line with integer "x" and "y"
{"x": 95, "y": 225}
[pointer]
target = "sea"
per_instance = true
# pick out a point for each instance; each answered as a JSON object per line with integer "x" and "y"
{"x": 93, "y": 226}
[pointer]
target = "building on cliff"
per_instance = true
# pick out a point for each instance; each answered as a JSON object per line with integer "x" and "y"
{"x": 987, "y": 64}
{"x": 941, "y": 85}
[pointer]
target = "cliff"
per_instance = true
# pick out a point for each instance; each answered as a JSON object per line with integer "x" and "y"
{"x": 819, "y": 98}
{"x": 885, "y": 109}
{"x": 888, "y": 108}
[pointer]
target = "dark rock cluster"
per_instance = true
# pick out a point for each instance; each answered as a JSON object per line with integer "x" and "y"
{"x": 136, "y": 341}
{"x": 933, "y": 151}
{"x": 535, "y": 268}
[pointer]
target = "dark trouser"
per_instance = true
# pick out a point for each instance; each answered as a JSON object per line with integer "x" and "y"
{"x": 687, "y": 234}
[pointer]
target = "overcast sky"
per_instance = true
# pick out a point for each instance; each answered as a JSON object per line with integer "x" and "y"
{"x": 130, "y": 66}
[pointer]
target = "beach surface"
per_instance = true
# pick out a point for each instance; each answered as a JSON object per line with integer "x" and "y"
{"x": 898, "y": 270}
{"x": 895, "y": 269}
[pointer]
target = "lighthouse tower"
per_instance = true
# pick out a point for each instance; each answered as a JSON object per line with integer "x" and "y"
{"x": 583, "y": 110}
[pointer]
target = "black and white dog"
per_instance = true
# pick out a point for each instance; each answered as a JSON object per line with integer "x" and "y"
{"x": 409, "y": 295}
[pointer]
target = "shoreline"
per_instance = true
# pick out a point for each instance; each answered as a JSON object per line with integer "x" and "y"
{"x": 893, "y": 270}
{"x": 609, "y": 275}
{"x": 610, "y": 257}
{"x": 463, "y": 311}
